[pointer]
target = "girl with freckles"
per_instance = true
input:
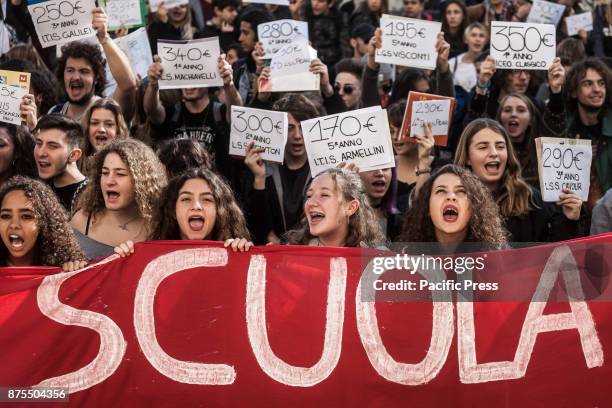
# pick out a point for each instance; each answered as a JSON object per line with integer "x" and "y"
{"x": 34, "y": 227}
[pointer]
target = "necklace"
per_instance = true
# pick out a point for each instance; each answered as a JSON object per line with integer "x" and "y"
{"x": 124, "y": 225}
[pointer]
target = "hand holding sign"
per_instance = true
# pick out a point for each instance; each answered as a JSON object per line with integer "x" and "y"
{"x": 570, "y": 204}
{"x": 100, "y": 24}
{"x": 28, "y": 111}
{"x": 556, "y": 76}
{"x": 189, "y": 64}
{"x": 522, "y": 46}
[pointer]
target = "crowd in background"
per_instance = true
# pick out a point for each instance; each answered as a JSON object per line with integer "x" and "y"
{"x": 89, "y": 173}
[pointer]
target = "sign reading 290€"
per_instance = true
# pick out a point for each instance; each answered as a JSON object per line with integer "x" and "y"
{"x": 189, "y": 64}
{"x": 522, "y": 45}
{"x": 62, "y": 21}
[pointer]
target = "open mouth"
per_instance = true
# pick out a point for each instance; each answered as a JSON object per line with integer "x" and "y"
{"x": 76, "y": 86}
{"x": 16, "y": 241}
{"x": 315, "y": 217}
{"x": 492, "y": 167}
{"x": 450, "y": 213}
{"x": 101, "y": 139}
{"x": 196, "y": 222}
{"x": 379, "y": 185}
{"x": 513, "y": 126}
{"x": 112, "y": 196}
{"x": 43, "y": 165}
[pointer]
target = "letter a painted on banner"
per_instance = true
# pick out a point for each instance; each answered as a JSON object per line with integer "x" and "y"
{"x": 580, "y": 318}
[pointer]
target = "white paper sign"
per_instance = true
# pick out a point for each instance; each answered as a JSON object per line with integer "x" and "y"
{"x": 303, "y": 81}
{"x": 291, "y": 59}
{"x": 153, "y": 4}
{"x": 564, "y": 164}
{"x": 582, "y": 21}
{"x": 123, "y": 13}
{"x": 435, "y": 112}
{"x": 408, "y": 42}
{"x": 138, "y": 50}
{"x": 10, "y": 99}
{"x": 361, "y": 137}
{"x": 545, "y": 12}
{"x": 522, "y": 45}
{"x": 277, "y": 34}
{"x": 276, "y": 2}
{"x": 62, "y": 21}
{"x": 266, "y": 129}
{"x": 189, "y": 64}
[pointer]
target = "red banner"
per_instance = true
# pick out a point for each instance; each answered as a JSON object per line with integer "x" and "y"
{"x": 184, "y": 324}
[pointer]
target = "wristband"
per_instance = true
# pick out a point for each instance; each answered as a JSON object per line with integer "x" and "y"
{"x": 486, "y": 85}
{"x": 426, "y": 170}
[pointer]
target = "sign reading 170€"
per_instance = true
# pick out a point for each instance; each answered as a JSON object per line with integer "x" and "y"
{"x": 522, "y": 45}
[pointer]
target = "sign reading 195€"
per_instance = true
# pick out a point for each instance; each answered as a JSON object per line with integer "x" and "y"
{"x": 189, "y": 64}
{"x": 522, "y": 45}
{"x": 62, "y": 21}
{"x": 408, "y": 42}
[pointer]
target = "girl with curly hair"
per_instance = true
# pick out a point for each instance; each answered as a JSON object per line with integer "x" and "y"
{"x": 486, "y": 149}
{"x": 120, "y": 199}
{"x": 103, "y": 122}
{"x": 337, "y": 213}
{"x": 16, "y": 152}
{"x": 34, "y": 227}
{"x": 198, "y": 205}
{"x": 454, "y": 207}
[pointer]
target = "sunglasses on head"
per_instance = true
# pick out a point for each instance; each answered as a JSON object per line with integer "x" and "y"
{"x": 347, "y": 89}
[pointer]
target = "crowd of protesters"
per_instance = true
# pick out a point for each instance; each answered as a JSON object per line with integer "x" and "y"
{"x": 88, "y": 174}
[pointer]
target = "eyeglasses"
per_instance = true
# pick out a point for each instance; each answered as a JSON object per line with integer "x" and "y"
{"x": 347, "y": 89}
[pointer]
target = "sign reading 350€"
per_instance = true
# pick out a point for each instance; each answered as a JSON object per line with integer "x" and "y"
{"x": 522, "y": 45}
{"x": 62, "y": 21}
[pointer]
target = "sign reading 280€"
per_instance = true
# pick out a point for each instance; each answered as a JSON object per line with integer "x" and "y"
{"x": 522, "y": 45}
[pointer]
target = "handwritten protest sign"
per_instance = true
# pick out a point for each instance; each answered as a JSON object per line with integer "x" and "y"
{"x": 291, "y": 59}
{"x": 124, "y": 13}
{"x": 301, "y": 81}
{"x": 545, "y": 12}
{"x": 15, "y": 78}
{"x": 564, "y": 164}
{"x": 267, "y": 129}
{"x": 522, "y": 45}
{"x": 423, "y": 107}
{"x": 408, "y": 42}
{"x": 136, "y": 47}
{"x": 189, "y": 64}
{"x": 154, "y": 4}
{"x": 277, "y": 34}
{"x": 62, "y": 21}
{"x": 577, "y": 22}
{"x": 10, "y": 99}
{"x": 275, "y": 2}
{"x": 361, "y": 137}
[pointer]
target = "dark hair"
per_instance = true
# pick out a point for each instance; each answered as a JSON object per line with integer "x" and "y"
{"x": 56, "y": 243}
{"x": 255, "y": 16}
{"x": 112, "y": 106}
{"x": 23, "y": 156}
{"x": 71, "y": 128}
{"x": 229, "y": 223}
{"x": 485, "y": 224}
{"x": 577, "y": 73}
{"x": 350, "y": 66}
{"x": 300, "y": 107}
{"x": 180, "y": 155}
{"x": 395, "y": 113}
{"x": 406, "y": 82}
{"x": 572, "y": 49}
{"x": 225, "y": 3}
{"x": 464, "y": 23}
{"x": 94, "y": 57}
{"x": 44, "y": 84}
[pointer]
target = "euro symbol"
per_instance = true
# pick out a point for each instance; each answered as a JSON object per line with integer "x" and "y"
{"x": 277, "y": 127}
{"x": 368, "y": 124}
{"x": 576, "y": 160}
{"x": 545, "y": 40}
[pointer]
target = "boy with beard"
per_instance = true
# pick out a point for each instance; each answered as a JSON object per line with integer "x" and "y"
{"x": 588, "y": 98}
{"x": 81, "y": 73}
{"x": 56, "y": 153}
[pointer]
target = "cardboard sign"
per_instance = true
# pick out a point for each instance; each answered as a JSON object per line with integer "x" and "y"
{"x": 545, "y": 12}
{"x": 302, "y": 81}
{"x": 522, "y": 45}
{"x": 267, "y": 129}
{"x": 189, "y": 64}
{"x": 62, "y": 21}
{"x": 436, "y": 109}
{"x": 15, "y": 78}
{"x": 577, "y": 22}
{"x": 274, "y": 2}
{"x": 136, "y": 46}
{"x": 361, "y": 137}
{"x": 124, "y": 13}
{"x": 564, "y": 164}
{"x": 291, "y": 59}
{"x": 277, "y": 34}
{"x": 10, "y": 99}
{"x": 154, "y": 4}
{"x": 408, "y": 42}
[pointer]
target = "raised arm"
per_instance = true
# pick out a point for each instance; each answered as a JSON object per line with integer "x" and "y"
{"x": 232, "y": 97}
{"x": 152, "y": 105}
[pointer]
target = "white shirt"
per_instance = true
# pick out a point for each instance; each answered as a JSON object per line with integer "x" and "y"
{"x": 464, "y": 74}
